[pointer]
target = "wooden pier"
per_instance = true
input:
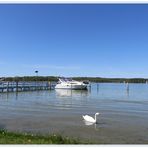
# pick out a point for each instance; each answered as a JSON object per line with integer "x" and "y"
{"x": 25, "y": 86}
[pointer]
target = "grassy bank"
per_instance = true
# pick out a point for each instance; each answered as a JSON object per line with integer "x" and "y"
{"x": 7, "y": 137}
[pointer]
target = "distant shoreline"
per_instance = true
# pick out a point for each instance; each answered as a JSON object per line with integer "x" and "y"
{"x": 91, "y": 79}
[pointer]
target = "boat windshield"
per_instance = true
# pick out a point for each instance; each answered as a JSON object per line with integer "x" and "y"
{"x": 65, "y": 79}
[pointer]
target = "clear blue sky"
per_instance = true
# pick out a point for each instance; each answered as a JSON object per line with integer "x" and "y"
{"x": 74, "y": 40}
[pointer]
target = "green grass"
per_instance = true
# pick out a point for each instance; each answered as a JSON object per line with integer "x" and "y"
{"x": 7, "y": 137}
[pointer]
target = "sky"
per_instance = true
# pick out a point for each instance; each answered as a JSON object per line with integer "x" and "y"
{"x": 96, "y": 40}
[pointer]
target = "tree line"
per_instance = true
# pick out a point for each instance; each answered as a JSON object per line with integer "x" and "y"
{"x": 91, "y": 79}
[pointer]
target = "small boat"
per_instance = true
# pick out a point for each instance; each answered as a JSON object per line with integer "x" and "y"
{"x": 68, "y": 83}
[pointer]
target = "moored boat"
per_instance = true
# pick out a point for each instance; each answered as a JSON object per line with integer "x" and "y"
{"x": 68, "y": 83}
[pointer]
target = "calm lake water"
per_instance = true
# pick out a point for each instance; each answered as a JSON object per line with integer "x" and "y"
{"x": 123, "y": 114}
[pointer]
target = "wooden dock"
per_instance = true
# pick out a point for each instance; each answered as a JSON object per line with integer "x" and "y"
{"x": 25, "y": 86}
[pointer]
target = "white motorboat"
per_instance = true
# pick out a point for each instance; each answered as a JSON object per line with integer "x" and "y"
{"x": 67, "y": 83}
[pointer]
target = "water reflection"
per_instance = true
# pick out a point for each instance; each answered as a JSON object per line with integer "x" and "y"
{"x": 96, "y": 127}
{"x": 7, "y": 96}
{"x": 98, "y": 88}
{"x": 70, "y": 93}
{"x": 16, "y": 95}
{"x": 88, "y": 123}
{"x": 127, "y": 93}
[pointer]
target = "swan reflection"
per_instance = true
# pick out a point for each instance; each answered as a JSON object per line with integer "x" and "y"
{"x": 91, "y": 124}
{"x": 88, "y": 123}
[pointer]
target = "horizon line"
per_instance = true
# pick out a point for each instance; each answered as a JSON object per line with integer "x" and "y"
{"x": 76, "y": 77}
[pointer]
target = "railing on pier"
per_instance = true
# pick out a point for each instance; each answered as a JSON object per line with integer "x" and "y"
{"x": 26, "y": 86}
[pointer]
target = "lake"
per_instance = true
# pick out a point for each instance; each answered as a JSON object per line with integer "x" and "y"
{"x": 123, "y": 114}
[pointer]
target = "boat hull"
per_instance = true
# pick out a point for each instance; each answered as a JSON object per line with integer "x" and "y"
{"x": 74, "y": 87}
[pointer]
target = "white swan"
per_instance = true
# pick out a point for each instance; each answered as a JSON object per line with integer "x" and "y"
{"x": 91, "y": 119}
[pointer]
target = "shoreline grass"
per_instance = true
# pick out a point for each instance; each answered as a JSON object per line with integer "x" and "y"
{"x": 7, "y": 137}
